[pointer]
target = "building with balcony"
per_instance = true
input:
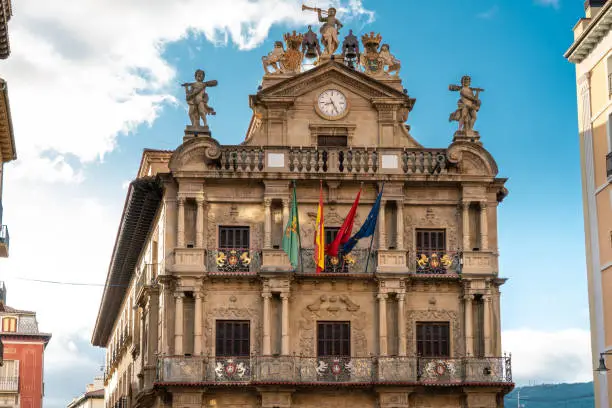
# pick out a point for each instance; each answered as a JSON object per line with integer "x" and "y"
{"x": 202, "y": 307}
{"x": 93, "y": 396}
{"x": 23, "y": 348}
{"x": 591, "y": 52}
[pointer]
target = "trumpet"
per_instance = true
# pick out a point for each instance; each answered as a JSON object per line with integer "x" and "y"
{"x": 315, "y": 9}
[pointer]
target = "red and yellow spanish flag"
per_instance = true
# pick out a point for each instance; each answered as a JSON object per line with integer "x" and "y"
{"x": 319, "y": 244}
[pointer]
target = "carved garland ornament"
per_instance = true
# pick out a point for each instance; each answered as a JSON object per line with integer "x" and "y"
{"x": 414, "y": 316}
{"x": 340, "y": 308}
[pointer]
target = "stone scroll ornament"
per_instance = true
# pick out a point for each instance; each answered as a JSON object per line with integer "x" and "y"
{"x": 468, "y": 105}
{"x": 197, "y": 99}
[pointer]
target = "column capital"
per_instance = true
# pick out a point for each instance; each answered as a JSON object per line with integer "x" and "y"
{"x": 267, "y": 202}
{"x": 266, "y": 295}
{"x": 468, "y": 297}
{"x": 284, "y": 295}
{"x": 180, "y": 200}
{"x": 382, "y": 296}
{"x": 285, "y": 202}
{"x": 483, "y": 205}
{"x": 200, "y": 200}
{"x": 487, "y": 298}
{"x": 465, "y": 204}
{"x": 179, "y": 295}
{"x": 401, "y": 297}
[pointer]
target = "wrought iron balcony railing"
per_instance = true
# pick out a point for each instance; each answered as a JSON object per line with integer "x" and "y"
{"x": 609, "y": 164}
{"x": 348, "y": 160}
{"x": 9, "y": 384}
{"x": 354, "y": 262}
{"x": 231, "y": 260}
{"x": 434, "y": 262}
{"x": 331, "y": 370}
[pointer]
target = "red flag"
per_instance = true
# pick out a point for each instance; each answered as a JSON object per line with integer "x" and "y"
{"x": 344, "y": 233}
{"x": 319, "y": 244}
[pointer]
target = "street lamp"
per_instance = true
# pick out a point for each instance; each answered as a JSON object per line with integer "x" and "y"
{"x": 602, "y": 369}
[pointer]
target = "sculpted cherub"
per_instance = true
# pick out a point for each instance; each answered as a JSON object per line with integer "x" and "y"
{"x": 273, "y": 58}
{"x": 197, "y": 99}
{"x": 393, "y": 64}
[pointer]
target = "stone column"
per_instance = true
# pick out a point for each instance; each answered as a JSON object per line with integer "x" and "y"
{"x": 484, "y": 227}
{"x": 267, "y": 223}
{"x": 180, "y": 236}
{"x": 267, "y": 347}
{"x": 197, "y": 325}
{"x": 152, "y": 344}
{"x": 469, "y": 330}
{"x": 401, "y": 323}
{"x": 200, "y": 223}
{"x": 466, "y": 225}
{"x": 382, "y": 233}
{"x": 178, "y": 323}
{"x": 487, "y": 325}
{"x": 166, "y": 322}
{"x": 400, "y": 225}
{"x": 382, "y": 317}
{"x": 285, "y": 325}
{"x": 285, "y": 213}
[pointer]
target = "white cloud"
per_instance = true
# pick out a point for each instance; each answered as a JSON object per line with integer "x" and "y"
{"x": 549, "y": 356}
{"x": 83, "y": 72}
{"x": 549, "y": 3}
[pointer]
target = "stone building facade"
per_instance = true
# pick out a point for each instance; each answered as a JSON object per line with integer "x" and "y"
{"x": 203, "y": 308}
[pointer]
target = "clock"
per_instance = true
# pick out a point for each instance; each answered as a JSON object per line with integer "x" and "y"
{"x": 332, "y": 104}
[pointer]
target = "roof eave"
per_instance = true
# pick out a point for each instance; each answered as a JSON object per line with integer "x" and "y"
{"x": 570, "y": 54}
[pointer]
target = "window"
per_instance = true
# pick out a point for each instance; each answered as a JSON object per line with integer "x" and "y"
{"x": 334, "y": 339}
{"x": 433, "y": 339}
{"x": 332, "y": 141}
{"x": 330, "y": 234}
{"x": 234, "y": 237}
{"x": 233, "y": 338}
{"x": 430, "y": 241}
{"x": 9, "y": 375}
{"x": 9, "y": 324}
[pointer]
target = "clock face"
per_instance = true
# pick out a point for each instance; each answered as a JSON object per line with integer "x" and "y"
{"x": 332, "y": 104}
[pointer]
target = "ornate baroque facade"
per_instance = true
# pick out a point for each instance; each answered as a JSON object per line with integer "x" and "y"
{"x": 202, "y": 307}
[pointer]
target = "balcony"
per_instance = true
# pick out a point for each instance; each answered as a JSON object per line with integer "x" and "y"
{"x": 295, "y": 370}
{"x": 9, "y": 384}
{"x": 343, "y": 160}
{"x": 352, "y": 263}
{"x": 233, "y": 260}
{"x": 435, "y": 262}
{"x": 609, "y": 165}
{"x": 147, "y": 277}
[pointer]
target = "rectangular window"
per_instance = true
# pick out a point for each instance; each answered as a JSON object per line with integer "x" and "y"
{"x": 433, "y": 339}
{"x": 429, "y": 241}
{"x": 9, "y": 324}
{"x": 233, "y": 338}
{"x": 330, "y": 234}
{"x": 334, "y": 339}
{"x": 234, "y": 237}
{"x": 332, "y": 141}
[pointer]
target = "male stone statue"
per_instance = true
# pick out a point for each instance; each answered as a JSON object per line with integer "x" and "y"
{"x": 467, "y": 106}
{"x": 197, "y": 99}
{"x": 329, "y": 30}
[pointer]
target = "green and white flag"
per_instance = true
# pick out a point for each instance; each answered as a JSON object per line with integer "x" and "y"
{"x": 291, "y": 237}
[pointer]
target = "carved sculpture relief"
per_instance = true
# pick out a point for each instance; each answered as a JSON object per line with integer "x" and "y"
{"x": 250, "y": 313}
{"x": 226, "y": 214}
{"x": 333, "y": 307}
{"x": 414, "y": 316}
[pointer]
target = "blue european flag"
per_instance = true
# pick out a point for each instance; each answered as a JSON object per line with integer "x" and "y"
{"x": 368, "y": 227}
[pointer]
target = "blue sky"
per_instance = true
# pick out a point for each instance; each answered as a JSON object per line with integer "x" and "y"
{"x": 121, "y": 70}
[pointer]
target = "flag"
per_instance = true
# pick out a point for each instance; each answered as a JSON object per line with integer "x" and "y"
{"x": 291, "y": 238}
{"x": 319, "y": 244}
{"x": 344, "y": 233}
{"x": 368, "y": 227}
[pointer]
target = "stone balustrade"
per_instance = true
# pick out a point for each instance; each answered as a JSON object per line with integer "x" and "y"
{"x": 347, "y": 160}
{"x": 329, "y": 370}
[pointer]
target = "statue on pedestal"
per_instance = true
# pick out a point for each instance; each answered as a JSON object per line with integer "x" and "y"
{"x": 329, "y": 30}
{"x": 393, "y": 64}
{"x": 197, "y": 99}
{"x": 274, "y": 58}
{"x": 467, "y": 106}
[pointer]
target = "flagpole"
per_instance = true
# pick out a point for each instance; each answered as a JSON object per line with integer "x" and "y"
{"x": 297, "y": 216}
{"x": 372, "y": 239}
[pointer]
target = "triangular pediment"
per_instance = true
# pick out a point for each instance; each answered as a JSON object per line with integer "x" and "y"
{"x": 332, "y": 72}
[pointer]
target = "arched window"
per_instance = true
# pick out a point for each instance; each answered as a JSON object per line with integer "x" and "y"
{"x": 9, "y": 324}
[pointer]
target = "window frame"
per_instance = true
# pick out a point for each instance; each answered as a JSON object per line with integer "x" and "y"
{"x": 223, "y": 242}
{"x": 333, "y": 338}
{"x": 331, "y": 140}
{"x": 429, "y": 346}
{"x": 429, "y": 249}
{"x": 9, "y": 318}
{"x": 235, "y": 345}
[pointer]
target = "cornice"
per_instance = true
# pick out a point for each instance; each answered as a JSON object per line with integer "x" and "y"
{"x": 591, "y": 36}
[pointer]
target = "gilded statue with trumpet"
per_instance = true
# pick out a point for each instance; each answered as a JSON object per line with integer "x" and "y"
{"x": 329, "y": 30}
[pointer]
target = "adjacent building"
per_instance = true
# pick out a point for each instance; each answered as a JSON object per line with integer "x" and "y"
{"x": 7, "y": 138}
{"x": 93, "y": 396}
{"x": 202, "y": 307}
{"x": 21, "y": 373}
{"x": 591, "y": 53}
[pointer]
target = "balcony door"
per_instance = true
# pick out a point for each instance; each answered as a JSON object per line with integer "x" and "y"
{"x": 234, "y": 237}
{"x": 333, "y": 351}
{"x": 232, "y": 350}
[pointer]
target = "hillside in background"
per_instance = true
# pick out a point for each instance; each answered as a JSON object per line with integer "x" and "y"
{"x": 578, "y": 395}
